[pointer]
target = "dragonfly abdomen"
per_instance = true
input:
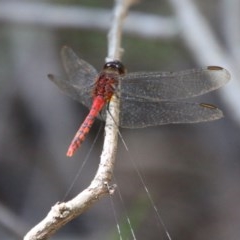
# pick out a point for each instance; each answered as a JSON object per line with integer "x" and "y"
{"x": 82, "y": 132}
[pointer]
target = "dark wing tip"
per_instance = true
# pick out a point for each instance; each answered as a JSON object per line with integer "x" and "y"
{"x": 215, "y": 113}
{"x": 207, "y": 105}
{"x": 214, "y": 68}
{"x": 50, "y": 76}
{"x": 222, "y": 73}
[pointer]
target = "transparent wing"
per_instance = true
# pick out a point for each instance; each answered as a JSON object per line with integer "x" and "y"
{"x": 83, "y": 96}
{"x": 81, "y": 77}
{"x": 80, "y": 73}
{"x": 135, "y": 114}
{"x": 156, "y": 86}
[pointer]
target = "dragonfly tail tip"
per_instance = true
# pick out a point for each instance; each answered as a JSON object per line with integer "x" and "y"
{"x": 69, "y": 153}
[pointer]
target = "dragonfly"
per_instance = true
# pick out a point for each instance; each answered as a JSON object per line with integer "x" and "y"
{"x": 146, "y": 98}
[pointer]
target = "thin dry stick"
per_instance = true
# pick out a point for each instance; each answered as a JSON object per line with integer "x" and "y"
{"x": 62, "y": 213}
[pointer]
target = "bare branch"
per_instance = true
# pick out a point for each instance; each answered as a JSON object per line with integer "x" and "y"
{"x": 62, "y": 213}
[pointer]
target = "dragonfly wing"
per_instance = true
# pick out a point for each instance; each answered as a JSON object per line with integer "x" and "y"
{"x": 81, "y": 77}
{"x": 155, "y": 86}
{"x": 80, "y": 73}
{"x": 82, "y": 95}
{"x": 134, "y": 114}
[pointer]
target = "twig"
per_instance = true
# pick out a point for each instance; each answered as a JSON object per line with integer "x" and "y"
{"x": 62, "y": 213}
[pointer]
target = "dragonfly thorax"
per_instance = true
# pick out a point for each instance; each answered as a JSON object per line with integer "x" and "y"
{"x": 105, "y": 85}
{"x": 108, "y": 80}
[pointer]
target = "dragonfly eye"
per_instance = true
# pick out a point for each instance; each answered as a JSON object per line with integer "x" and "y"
{"x": 115, "y": 66}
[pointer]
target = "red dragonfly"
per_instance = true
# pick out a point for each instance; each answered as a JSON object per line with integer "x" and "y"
{"x": 146, "y": 98}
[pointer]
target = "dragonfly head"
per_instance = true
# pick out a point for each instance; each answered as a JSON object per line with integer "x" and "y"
{"x": 114, "y": 66}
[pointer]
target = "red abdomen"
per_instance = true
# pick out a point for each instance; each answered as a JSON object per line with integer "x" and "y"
{"x": 80, "y": 136}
